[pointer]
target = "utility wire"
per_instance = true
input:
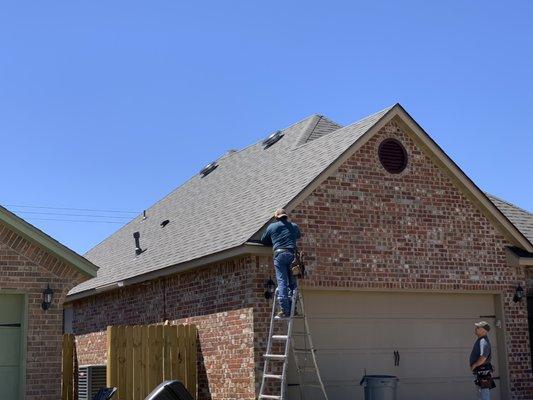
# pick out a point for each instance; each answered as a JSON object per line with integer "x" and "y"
{"x": 73, "y": 215}
{"x": 72, "y": 209}
{"x": 74, "y": 220}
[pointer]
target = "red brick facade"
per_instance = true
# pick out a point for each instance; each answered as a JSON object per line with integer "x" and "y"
{"x": 215, "y": 298}
{"x": 363, "y": 228}
{"x": 28, "y": 269}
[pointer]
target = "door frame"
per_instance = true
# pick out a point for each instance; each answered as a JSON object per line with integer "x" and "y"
{"x": 500, "y": 331}
{"x": 24, "y": 338}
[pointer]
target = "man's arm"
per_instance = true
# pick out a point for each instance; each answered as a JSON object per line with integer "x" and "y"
{"x": 484, "y": 354}
{"x": 480, "y": 361}
{"x": 266, "y": 239}
{"x": 297, "y": 233}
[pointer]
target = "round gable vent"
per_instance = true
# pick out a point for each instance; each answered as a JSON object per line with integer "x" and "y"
{"x": 392, "y": 156}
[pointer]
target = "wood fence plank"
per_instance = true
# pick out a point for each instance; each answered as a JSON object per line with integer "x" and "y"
{"x": 145, "y": 366}
{"x": 167, "y": 358}
{"x": 191, "y": 359}
{"x": 152, "y": 364}
{"x": 174, "y": 352}
{"x": 128, "y": 331}
{"x": 159, "y": 354}
{"x": 194, "y": 360}
{"x": 112, "y": 377}
{"x": 67, "y": 381}
{"x": 137, "y": 363}
{"x": 121, "y": 344}
{"x": 182, "y": 353}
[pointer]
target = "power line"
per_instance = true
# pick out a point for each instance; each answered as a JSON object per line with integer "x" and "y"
{"x": 74, "y": 220}
{"x": 71, "y": 209}
{"x": 72, "y": 215}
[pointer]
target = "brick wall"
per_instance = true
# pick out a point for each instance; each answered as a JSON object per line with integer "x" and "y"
{"x": 365, "y": 228}
{"x": 26, "y": 268}
{"x": 216, "y": 298}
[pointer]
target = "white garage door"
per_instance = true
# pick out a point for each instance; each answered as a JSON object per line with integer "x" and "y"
{"x": 356, "y": 332}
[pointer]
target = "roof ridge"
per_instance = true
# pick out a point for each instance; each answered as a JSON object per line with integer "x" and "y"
{"x": 384, "y": 111}
{"x": 509, "y": 203}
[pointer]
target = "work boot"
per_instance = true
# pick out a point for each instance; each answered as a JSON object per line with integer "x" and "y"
{"x": 281, "y": 315}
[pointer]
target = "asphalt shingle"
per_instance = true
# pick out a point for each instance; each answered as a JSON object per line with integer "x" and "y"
{"x": 201, "y": 212}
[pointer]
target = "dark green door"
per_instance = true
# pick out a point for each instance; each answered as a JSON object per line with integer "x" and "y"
{"x": 11, "y": 314}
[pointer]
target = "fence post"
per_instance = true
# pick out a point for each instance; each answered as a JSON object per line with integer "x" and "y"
{"x": 67, "y": 381}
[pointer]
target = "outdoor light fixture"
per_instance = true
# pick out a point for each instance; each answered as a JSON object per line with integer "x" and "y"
{"x": 270, "y": 286}
{"x": 48, "y": 295}
{"x": 518, "y": 294}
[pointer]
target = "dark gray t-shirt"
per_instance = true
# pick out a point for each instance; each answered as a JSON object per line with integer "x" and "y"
{"x": 481, "y": 348}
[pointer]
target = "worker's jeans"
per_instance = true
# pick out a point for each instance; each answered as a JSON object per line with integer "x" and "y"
{"x": 285, "y": 278}
{"x": 483, "y": 394}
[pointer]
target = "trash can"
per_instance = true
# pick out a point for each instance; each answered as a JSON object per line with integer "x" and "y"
{"x": 380, "y": 387}
{"x": 170, "y": 390}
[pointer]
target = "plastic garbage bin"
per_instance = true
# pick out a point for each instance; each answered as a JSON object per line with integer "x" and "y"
{"x": 380, "y": 387}
{"x": 170, "y": 390}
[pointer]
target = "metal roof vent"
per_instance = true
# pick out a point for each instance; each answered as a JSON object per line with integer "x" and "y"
{"x": 273, "y": 138}
{"x": 138, "y": 250}
{"x": 208, "y": 169}
{"x": 392, "y": 156}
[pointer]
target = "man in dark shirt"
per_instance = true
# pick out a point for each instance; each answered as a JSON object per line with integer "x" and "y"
{"x": 282, "y": 235}
{"x": 481, "y": 355}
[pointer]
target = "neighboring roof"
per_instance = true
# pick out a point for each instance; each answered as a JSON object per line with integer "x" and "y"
{"x": 229, "y": 206}
{"x": 51, "y": 245}
{"x": 521, "y": 218}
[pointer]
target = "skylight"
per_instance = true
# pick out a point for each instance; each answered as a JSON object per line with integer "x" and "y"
{"x": 208, "y": 169}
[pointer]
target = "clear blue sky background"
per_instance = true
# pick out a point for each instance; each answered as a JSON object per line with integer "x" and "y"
{"x": 112, "y": 104}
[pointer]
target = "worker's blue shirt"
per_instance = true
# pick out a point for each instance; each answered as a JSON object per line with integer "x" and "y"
{"x": 281, "y": 234}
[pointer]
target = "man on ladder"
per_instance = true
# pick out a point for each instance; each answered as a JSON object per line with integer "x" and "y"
{"x": 282, "y": 235}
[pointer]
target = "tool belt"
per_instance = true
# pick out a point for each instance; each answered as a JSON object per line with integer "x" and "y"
{"x": 483, "y": 376}
{"x": 298, "y": 265}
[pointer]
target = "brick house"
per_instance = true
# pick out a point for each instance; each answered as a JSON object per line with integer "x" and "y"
{"x": 404, "y": 254}
{"x": 30, "y": 332}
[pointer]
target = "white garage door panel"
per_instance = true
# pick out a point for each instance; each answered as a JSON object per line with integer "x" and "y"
{"x": 358, "y": 331}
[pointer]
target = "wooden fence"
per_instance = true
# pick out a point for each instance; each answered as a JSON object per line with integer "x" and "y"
{"x": 67, "y": 367}
{"x": 141, "y": 357}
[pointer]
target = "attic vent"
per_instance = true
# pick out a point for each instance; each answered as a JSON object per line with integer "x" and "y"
{"x": 208, "y": 169}
{"x": 392, "y": 156}
{"x": 164, "y": 223}
{"x": 273, "y": 138}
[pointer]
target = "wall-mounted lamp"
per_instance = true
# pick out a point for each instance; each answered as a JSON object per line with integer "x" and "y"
{"x": 270, "y": 287}
{"x": 518, "y": 294}
{"x": 48, "y": 295}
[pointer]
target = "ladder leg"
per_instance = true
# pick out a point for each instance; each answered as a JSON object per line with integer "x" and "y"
{"x": 269, "y": 343}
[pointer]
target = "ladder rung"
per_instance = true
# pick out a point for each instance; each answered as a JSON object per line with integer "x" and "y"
{"x": 280, "y": 337}
{"x": 269, "y": 396}
{"x": 272, "y": 376}
{"x": 275, "y": 356}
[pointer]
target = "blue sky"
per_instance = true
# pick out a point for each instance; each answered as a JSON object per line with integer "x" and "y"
{"x": 111, "y": 105}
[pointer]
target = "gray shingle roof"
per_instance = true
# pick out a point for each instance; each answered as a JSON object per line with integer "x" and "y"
{"x": 520, "y": 218}
{"x": 253, "y": 181}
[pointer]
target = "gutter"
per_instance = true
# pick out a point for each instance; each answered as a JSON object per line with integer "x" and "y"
{"x": 248, "y": 248}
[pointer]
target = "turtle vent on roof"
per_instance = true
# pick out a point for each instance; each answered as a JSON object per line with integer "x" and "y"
{"x": 208, "y": 169}
{"x": 273, "y": 138}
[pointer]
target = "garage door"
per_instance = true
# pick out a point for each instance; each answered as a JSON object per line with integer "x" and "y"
{"x": 356, "y": 332}
{"x": 11, "y": 311}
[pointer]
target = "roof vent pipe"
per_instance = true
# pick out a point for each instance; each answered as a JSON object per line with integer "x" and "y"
{"x": 138, "y": 250}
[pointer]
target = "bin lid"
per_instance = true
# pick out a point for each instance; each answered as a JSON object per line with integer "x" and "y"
{"x": 372, "y": 377}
